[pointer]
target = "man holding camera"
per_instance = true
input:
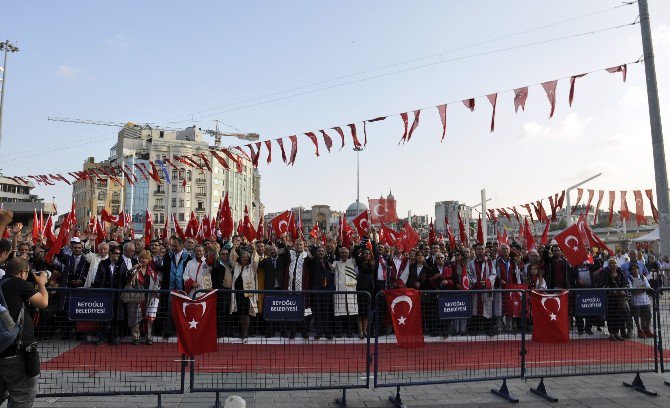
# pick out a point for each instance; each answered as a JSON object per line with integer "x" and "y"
{"x": 19, "y": 363}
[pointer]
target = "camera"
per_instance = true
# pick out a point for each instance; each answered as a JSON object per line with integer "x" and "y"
{"x": 31, "y": 279}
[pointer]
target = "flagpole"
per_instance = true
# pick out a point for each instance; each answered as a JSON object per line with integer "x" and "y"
{"x": 484, "y": 223}
{"x": 568, "y": 209}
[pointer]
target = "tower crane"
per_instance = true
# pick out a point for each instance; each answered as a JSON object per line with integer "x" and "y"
{"x": 215, "y": 133}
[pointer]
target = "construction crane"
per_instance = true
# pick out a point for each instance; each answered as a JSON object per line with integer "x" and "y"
{"x": 215, "y": 133}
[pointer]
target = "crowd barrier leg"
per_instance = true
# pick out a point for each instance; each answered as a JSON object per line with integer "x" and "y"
{"x": 542, "y": 392}
{"x": 638, "y": 386}
{"x": 504, "y": 393}
{"x": 342, "y": 402}
{"x": 397, "y": 400}
{"x": 159, "y": 402}
{"x": 217, "y": 401}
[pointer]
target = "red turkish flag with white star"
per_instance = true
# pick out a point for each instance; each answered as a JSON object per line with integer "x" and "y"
{"x": 377, "y": 210}
{"x": 571, "y": 243}
{"x": 405, "y": 311}
{"x": 550, "y": 317}
{"x": 195, "y": 321}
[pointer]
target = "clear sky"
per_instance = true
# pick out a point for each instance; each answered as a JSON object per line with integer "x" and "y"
{"x": 182, "y": 63}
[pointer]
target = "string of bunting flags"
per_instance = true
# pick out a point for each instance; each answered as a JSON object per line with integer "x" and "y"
{"x": 230, "y": 157}
{"x": 538, "y": 212}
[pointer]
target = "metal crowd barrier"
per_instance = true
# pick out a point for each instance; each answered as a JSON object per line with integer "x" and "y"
{"x": 303, "y": 341}
{"x": 595, "y": 314}
{"x": 458, "y": 348}
{"x": 662, "y": 316}
{"x": 86, "y": 344}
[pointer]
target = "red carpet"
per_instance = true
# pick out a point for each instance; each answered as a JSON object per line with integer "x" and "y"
{"x": 350, "y": 358}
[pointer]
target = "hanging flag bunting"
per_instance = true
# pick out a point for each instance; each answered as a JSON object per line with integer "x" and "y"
{"x": 218, "y": 158}
{"x": 654, "y": 211}
{"x": 414, "y": 124}
{"x": 493, "y": 98}
{"x": 442, "y": 109}
{"x": 621, "y": 68}
{"x": 268, "y": 146}
{"x": 530, "y": 212}
{"x": 280, "y": 142}
{"x": 327, "y": 140}
{"x": 341, "y": 133}
{"x": 469, "y": 103}
{"x": 601, "y": 194}
{"x": 294, "y": 149}
{"x": 571, "y": 96}
{"x": 312, "y": 137}
{"x": 352, "y": 127}
{"x": 639, "y": 208}
{"x": 625, "y": 214}
{"x": 164, "y": 169}
{"x": 545, "y": 234}
{"x": 611, "y": 207}
{"x": 365, "y": 133}
{"x": 520, "y": 96}
{"x": 254, "y": 155}
{"x": 550, "y": 89}
{"x": 580, "y": 192}
{"x": 405, "y": 121}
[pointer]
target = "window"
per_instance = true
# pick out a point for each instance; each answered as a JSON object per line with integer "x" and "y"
{"x": 201, "y": 205}
{"x": 174, "y": 202}
{"x": 161, "y": 216}
{"x": 181, "y": 203}
{"x": 188, "y": 203}
{"x": 116, "y": 196}
{"x": 201, "y": 190}
{"x": 100, "y": 208}
{"x": 216, "y": 181}
{"x": 181, "y": 217}
{"x": 188, "y": 188}
{"x": 181, "y": 174}
{"x": 101, "y": 195}
{"x": 174, "y": 188}
{"x": 102, "y": 183}
{"x": 156, "y": 218}
{"x": 182, "y": 188}
{"x": 216, "y": 192}
{"x": 160, "y": 188}
{"x": 189, "y": 175}
{"x": 174, "y": 173}
{"x": 159, "y": 202}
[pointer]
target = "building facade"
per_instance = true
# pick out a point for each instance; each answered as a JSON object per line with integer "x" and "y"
{"x": 182, "y": 189}
{"x": 18, "y": 198}
{"x": 93, "y": 195}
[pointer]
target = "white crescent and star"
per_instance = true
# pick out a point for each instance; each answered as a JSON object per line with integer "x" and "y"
{"x": 400, "y": 299}
{"x": 282, "y": 230}
{"x": 363, "y": 224}
{"x": 193, "y": 324}
{"x": 375, "y": 210}
{"x": 570, "y": 238}
{"x": 552, "y": 315}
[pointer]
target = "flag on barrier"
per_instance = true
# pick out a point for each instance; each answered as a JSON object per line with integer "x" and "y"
{"x": 405, "y": 311}
{"x": 195, "y": 320}
{"x": 550, "y": 317}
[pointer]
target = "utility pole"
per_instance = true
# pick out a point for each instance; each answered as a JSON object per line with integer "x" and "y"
{"x": 658, "y": 149}
{"x": 7, "y": 47}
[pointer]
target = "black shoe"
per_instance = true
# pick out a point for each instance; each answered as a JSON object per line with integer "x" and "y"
{"x": 305, "y": 336}
{"x": 99, "y": 342}
{"x": 291, "y": 336}
{"x": 580, "y": 331}
{"x": 329, "y": 337}
{"x": 589, "y": 332}
{"x": 317, "y": 336}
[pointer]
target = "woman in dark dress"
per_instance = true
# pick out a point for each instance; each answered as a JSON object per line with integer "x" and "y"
{"x": 365, "y": 283}
{"x": 616, "y": 301}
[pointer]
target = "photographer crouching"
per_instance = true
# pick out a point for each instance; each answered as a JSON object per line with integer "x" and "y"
{"x": 19, "y": 359}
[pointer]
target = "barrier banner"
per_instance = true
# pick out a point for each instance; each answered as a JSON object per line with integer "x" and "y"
{"x": 591, "y": 303}
{"x": 284, "y": 307}
{"x": 91, "y": 306}
{"x": 454, "y": 305}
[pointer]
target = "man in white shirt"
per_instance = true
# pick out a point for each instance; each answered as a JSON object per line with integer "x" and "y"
{"x": 94, "y": 259}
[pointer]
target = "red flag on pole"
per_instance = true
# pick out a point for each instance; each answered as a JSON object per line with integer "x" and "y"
{"x": 572, "y": 244}
{"x": 36, "y": 228}
{"x": 195, "y": 321}
{"x": 480, "y": 231}
{"x": 409, "y": 237}
{"x": 362, "y": 224}
{"x": 280, "y": 223}
{"x": 545, "y": 234}
{"x": 530, "y": 241}
{"x": 148, "y": 228}
{"x": 580, "y": 193}
{"x": 405, "y": 311}
{"x": 164, "y": 234}
{"x": 461, "y": 230}
{"x": 377, "y": 210}
{"x": 550, "y": 317}
{"x": 432, "y": 239}
{"x": 177, "y": 227}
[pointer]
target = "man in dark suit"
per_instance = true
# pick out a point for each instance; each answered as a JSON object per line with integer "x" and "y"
{"x": 74, "y": 272}
{"x": 322, "y": 278}
{"x": 110, "y": 275}
{"x": 274, "y": 266}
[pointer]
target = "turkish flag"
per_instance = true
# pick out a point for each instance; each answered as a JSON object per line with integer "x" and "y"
{"x": 36, "y": 228}
{"x": 572, "y": 245}
{"x": 280, "y": 223}
{"x": 247, "y": 228}
{"x": 391, "y": 214}
{"x": 432, "y": 238}
{"x": 177, "y": 227}
{"x": 362, "y": 224}
{"x": 377, "y": 210}
{"x": 117, "y": 220}
{"x": 389, "y": 236}
{"x": 405, "y": 310}
{"x": 315, "y": 231}
{"x": 148, "y": 228}
{"x": 195, "y": 320}
{"x": 550, "y": 317}
{"x": 480, "y": 231}
{"x": 409, "y": 237}
{"x": 512, "y": 300}
{"x": 226, "y": 223}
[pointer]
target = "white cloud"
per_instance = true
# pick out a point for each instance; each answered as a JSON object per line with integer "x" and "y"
{"x": 633, "y": 98}
{"x": 120, "y": 42}
{"x": 572, "y": 127}
{"x": 67, "y": 71}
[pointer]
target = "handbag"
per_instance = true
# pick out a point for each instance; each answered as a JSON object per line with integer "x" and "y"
{"x": 132, "y": 297}
{"x": 31, "y": 360}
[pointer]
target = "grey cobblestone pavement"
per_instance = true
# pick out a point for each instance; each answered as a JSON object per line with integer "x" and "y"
{"x": 593, "y": 391}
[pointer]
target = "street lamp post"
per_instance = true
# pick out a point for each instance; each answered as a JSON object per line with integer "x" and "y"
{"x": 7, "y": 47}
{"x": 358, "y": 177}
{"x": 567, "y": 197}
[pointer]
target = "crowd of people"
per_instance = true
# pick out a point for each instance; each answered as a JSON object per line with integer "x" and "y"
{"x": 319, "y": 265}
